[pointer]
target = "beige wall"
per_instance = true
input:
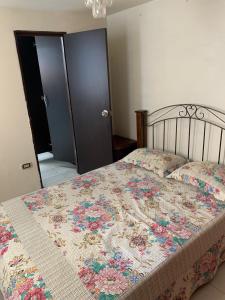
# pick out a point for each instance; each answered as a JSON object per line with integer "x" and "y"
{"x": 16, "y": 145}
{"x": 166, "y": 52}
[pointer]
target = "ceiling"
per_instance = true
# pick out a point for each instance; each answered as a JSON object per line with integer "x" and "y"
{"x": 72, "y": 5}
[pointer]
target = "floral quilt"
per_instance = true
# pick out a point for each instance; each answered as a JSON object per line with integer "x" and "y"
{"x": 114, "y": 226}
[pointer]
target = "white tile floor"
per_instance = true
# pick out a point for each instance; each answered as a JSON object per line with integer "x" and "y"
{"x": 54, "y": 172}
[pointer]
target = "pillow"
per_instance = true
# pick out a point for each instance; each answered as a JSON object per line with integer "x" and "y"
{"x": 206, "y": 175}
{"x": 159, "y": 162}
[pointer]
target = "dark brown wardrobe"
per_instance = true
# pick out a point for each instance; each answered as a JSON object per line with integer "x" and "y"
{"x": 75, "y": 94}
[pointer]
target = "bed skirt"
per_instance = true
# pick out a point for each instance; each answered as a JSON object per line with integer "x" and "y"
{"x": 202, "y": 272}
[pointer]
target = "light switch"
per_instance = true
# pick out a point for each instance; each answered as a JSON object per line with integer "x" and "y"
{"x": 26, "y": 166}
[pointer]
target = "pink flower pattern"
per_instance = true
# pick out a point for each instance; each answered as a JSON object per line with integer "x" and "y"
{"x": 109, "y": 278}
{"x": 7, "y": 233}
{"x": 113, "y": 224}
{"x": 111, "y": 282}
{"x": 92, "y": 217}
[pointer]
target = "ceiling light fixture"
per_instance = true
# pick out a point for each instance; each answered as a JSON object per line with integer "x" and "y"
{"x": 98, "y": 7}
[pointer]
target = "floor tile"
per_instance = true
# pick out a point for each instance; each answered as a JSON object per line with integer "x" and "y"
{"x": 208, "y": 292}
{"x": 44, "y": 156}
{"x": 54, "y": 172}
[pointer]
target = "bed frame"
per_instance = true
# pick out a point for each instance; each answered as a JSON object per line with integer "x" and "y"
{"x": 193, "y": 113}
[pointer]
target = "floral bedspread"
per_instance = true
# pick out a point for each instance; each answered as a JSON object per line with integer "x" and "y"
{"x": 114, "y": 226}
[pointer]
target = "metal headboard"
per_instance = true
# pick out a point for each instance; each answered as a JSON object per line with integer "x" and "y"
{"x": 191, "y": 112}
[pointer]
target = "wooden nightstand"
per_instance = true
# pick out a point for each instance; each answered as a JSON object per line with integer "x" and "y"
{"x": 122, "y": 147}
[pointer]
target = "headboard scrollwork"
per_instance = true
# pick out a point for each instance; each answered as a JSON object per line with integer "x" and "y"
{"x": 193, "y": 113}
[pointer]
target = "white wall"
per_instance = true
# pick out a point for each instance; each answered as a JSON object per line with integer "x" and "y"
{"x": 16, "y": 145}
{"x": 166, "y": 52}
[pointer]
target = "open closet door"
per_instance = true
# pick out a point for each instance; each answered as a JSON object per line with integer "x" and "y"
{"x": 87, "y": 66}
{"x": 51, "y": 59}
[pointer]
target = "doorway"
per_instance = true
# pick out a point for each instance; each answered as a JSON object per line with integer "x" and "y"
{"x": 43, "y": 69}
{"x": 73, "y": 93}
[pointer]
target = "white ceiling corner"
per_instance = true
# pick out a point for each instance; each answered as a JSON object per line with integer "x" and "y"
{"x": 65, "y": 5}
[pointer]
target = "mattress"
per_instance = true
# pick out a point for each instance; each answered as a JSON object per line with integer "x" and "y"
{"x": 120, "y": 232}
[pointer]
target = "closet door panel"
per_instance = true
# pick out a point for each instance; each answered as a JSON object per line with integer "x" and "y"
{"x": 51, "y": 59}
{"x": 87, "y": 66}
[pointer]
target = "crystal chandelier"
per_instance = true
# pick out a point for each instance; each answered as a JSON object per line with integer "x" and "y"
{"x": 98, "y": 7}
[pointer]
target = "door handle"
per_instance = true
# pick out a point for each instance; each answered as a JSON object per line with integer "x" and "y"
{"x": 45, "y": 99}
{"x": 105, "y": 113}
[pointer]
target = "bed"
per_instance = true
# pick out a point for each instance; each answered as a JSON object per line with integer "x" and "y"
{"x": 119, "y": 232}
